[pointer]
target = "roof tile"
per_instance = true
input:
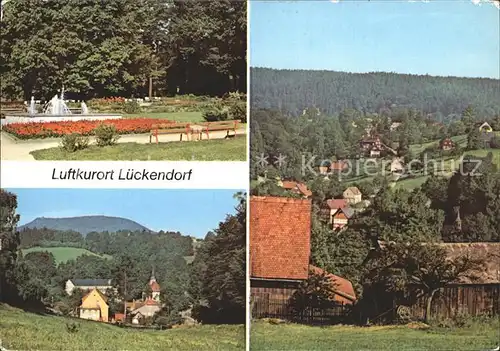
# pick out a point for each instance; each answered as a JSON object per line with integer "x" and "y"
{"x": 280, "y": 230}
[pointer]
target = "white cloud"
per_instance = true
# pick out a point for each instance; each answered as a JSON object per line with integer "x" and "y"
{"x": 495, "y": 3}
{"x": 335, "y": 1}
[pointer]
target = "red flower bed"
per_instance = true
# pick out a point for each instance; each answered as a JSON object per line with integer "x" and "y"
{"x": 84, "y": 127}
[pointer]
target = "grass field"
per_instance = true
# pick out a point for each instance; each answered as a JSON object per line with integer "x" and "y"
{"x": 208, "y": 150}
{"x": 63, "y": 254}
{"x": 26, "y": 331}
{"x": 173, "y": 116}
{"x": 265, "y": 336}
{"x": 484, "y": 153}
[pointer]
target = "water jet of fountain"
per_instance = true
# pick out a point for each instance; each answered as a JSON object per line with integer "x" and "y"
{"x": 56, "y": 106}
{"x": 32, "y": 108}
{"x": 85, "y": 109}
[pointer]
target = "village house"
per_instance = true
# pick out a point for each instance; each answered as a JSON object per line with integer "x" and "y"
{"x": 339, "y": 166}
{"x": 280, "y": 251}
{"x": 144, "y": 309}
{"x": 394, "y": 126}
{"x": 324, "y": 170}
{"x": 397, "y": 165}
{"x": 485, "y": 128}
{"x": 375, "y": 152}
{"x": 368, "y": 143}
{"x": 94, "y": 306}
{"x": 295, "y": 187}
{"x": 331, "y": 206}
{"x": 446, "y": 144}
{"x": 341, "y": 218}
{"x": 148, "y": 306}
{"x": 352, "y": 195}
{"x": 88, "y": 284}
{"x": 337, "y": 213}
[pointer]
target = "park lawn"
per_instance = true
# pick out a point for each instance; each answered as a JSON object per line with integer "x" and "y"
{"x": 21, "y": 330}
{"x": 265, "y": 336}
{"x": 63, "y": 254}
{"x": 173, "y": 116}
{"x": 233, "y": 149}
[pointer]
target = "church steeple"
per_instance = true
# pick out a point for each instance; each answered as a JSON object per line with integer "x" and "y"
{"x": 152, "y": 279}
{"x": 155, "y": 287}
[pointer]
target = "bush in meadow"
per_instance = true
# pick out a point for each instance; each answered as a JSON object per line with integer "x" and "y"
{"x": 106, "y": 134}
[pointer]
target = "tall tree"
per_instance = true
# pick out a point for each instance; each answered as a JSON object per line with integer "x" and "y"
{"x": 9, "y": 242}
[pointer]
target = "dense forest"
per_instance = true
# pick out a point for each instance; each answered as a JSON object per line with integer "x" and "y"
{"x": 98, "y": 48}
{"x": 441, "y": 98}
{"x": 128, "y": 258}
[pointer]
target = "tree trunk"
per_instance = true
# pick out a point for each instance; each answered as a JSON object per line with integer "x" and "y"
{"x": 150, "y": 88}
{"x": 429, "y": 305}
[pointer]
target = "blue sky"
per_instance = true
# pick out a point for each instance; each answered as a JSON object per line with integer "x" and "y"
{"x": 446, "y": 37}
{"x": 192, "y": 212}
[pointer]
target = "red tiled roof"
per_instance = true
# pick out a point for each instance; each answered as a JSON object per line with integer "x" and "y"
{"x": 150, "y": 302}
{"x": 287, "y": 184}
{"x": 342, "y": 287}
{"x": 338, "y": 166}
{"x": 280, "y": 237}
{"x": 302, "y": 188}
{"x": 336, "y": 203}
{"x": 119, "y": 317}
{"x": 155, "y": 287}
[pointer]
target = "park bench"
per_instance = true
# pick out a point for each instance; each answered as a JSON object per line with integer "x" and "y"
{"x": 221, "y": 125}
{"x": 170, "y": 128}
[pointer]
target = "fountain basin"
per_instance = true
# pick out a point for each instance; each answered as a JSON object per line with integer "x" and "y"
{"x": 27, "y": 118}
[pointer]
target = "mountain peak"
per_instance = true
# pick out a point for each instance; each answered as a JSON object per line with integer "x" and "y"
{"x": 86, "y": 224}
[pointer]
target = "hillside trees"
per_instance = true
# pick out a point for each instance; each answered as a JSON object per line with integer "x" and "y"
{"x": 441, "y": 98}
{"x": 9, "y": 242}
{"x": 220, "y": 268}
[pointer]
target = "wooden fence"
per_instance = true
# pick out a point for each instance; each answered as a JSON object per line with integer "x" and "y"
{"x": 266, "y": 306}
{"x": 454, "y": 300}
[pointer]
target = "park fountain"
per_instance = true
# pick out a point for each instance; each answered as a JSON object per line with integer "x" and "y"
{"x": 55, "y": 110}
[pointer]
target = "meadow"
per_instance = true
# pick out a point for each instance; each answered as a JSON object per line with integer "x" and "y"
{"x": 63, "y": 254}
{"x": 265, "y": 336}
{"x": 21, "y": 330}
{"x": 233, "y": 149}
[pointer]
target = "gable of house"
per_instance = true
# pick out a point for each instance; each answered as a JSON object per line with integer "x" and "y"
{"x": 94, "y": 306}
{"x": 485, "y": 127}
{"x": 351, "y": 192}
{"x": 280, "y": 240}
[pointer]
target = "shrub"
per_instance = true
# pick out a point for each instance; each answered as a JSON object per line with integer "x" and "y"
{"x": 238, "y": 110}
{"x": 72, "y": 327}
{"x": 214, "y": 115}
{"x": 74, "y": 142}
{"x": 106, "y": 134}
{"x": 132, "y": 107}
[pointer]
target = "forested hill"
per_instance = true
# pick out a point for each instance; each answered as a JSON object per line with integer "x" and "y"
{"x": 292, "y": 91}
{"x": 86, "y": 224}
